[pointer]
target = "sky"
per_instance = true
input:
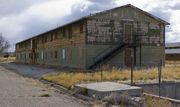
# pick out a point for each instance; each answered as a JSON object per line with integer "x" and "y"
{"x": 22, "y": 19}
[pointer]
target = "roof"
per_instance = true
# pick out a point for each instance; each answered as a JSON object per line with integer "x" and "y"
{"x": 129, "y": 5}
{"x": 172, "y": 48}
{"x": 172, "y": 51}
{"x": 91, "y": 15}
{"x": 172, "y": 45}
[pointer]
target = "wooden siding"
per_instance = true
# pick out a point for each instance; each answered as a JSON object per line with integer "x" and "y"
{"x": 173, "y": 57}
{"x": 99, "y": 34}
{"x": 45, "y": 46}
{"x": 107, "y": 29}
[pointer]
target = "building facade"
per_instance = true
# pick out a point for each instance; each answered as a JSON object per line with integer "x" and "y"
{"x": 119, "y": 37}
{"x": 172, "y": 51}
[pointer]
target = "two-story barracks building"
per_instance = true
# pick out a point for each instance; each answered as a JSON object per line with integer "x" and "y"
{"x": 117, "y": 37}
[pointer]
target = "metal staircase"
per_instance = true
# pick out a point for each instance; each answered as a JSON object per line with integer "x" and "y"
{"x": 106, "y": 55}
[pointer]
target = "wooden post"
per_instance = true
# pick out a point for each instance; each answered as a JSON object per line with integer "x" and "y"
{"x": 132, "y": 65}
{"x": 159, "y": 75}
{"x": 101, "y": 72}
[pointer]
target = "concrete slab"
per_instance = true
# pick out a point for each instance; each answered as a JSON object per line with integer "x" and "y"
{"x": 102, "y": 89}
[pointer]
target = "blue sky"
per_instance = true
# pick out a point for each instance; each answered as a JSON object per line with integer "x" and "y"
{"x": 22, "y": 19}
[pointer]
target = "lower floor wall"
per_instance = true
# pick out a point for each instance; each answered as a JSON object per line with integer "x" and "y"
{"x": 68, "y": 56}
{"x": 144, "y": 55}
{"x": 173, "y": 57}
{"x": 83, "y": 56}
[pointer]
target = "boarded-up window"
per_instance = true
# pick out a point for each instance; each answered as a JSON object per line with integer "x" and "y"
{"x": 81, "y": 51}
{"x": 42, "y": 55}
{"x": 70, "y": 54}
{"x": 63, "y": 54}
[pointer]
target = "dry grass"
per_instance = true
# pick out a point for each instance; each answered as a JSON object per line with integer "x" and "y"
{"x": 8, "y": 59}
{"x": 156, "y": 102}
{"x": 144, "y": 75}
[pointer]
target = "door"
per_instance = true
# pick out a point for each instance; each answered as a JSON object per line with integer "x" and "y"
{"x": 127, "y": 32}
{"x": 128, "y": 57}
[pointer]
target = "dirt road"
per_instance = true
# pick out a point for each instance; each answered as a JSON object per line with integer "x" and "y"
{"x": 17, "y": 91}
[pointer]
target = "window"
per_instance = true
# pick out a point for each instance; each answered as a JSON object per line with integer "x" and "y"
{"x": 37, "y": 55}
{"x": 81, "y": 51}
{"x": 45, "y": 55}
{"x": 45, "y": 38}
{"x": 30, "y": 55}
{"x": 42, "y": 55}
{"x": 27, "y": 56}
{"x": 31, "y": 44}
{"x": 51, "y": 39}
{"x": 51, "y": 54}
{"x": 81, "y": 29}
{"x": 63, "y": 54}
{"x": 56, "y": 35}
{"x": 64, "y": 32}
{"x": 70, "y": 32}
{"x": 37, "y": 39}
{"x": 55, "y": 54}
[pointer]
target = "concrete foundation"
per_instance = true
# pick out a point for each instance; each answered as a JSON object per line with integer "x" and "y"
{"x": 166, "y": 89}
{"x": 100, "y": 90}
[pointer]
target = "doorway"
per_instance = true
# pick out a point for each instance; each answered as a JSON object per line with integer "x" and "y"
{"x": 128, "y": 33}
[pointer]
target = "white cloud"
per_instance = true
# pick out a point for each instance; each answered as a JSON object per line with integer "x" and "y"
{"x": 22, "y": 20}
{"x": 168, "y": 10}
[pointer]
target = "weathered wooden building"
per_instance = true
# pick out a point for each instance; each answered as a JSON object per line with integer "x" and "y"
{"x": 118, "y": 37}
{"x": 172, "y": 51}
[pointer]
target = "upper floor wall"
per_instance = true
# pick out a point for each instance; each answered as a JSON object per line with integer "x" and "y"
{"x": 71, "y": 34}
{"x": 109, "y": 27}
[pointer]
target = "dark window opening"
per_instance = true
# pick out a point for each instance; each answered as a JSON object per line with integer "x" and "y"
{"x": 64, "y": 32}
{"x": 51, "y": 54}
{"x": 51, "y": 37}
{"x": 81, "y": 29}
{"x": 55, "y": 54}
{"x": 70, "y": 32}
{"x": 55, "y": 35}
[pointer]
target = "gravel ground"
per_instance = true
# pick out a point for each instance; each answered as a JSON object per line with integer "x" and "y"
{"x": 17, "y": 91}
{"x": 28, "y": 70}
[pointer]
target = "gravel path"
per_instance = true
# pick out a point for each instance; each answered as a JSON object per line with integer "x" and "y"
{"x": 17, "y": 91}
{"x": 28, "y": 70}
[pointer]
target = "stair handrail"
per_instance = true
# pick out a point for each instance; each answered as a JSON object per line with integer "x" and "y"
{"x": 109, "y": 48}
{"x": 122, "y": 42}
